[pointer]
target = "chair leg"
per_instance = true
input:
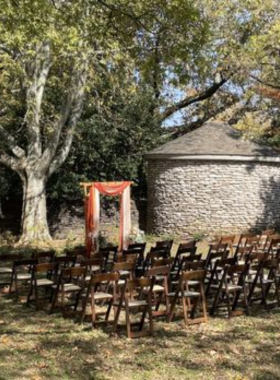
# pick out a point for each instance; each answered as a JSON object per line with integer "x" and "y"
{"x": 185, "y": 309}
{"x": 108, "y": 310}
{"x": 228, "y": 304}
{"x": 141, "y": 324}
{"x": 170, "y": 315}
{"x": 55, "y": 296}
{"x": 215, "y": 302}
{"x": 116, "y": 319}
{"x": 127, "y": 320}
{"x": 151, "y": 321}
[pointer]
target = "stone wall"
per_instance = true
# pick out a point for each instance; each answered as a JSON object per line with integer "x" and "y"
{"x": 69, "y": 220}
{"x": 187, "y": 197}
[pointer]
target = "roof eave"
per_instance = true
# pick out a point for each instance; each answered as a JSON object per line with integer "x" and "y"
{"x": 211, "y": 157}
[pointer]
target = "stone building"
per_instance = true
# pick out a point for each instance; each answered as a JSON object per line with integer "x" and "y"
{"x": 212, "y": 180}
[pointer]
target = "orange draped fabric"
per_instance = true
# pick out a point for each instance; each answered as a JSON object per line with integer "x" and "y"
{"x": 92, "y": 210}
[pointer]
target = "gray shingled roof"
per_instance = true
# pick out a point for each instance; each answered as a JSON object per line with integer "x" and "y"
{"x": 214, "y": 140}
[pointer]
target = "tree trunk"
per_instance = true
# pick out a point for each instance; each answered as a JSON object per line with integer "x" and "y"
{"x": 34, "y": 211}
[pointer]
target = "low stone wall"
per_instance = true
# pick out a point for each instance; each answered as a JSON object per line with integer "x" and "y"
{"x": 187, "y": 197}
{"x": 69, "y": 221}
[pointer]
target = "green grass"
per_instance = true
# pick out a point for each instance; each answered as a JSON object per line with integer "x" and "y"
{"x": 36, "y": 345}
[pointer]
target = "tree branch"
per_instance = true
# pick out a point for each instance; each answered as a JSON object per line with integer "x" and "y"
{"x": 9, "y": 161}
{"x": 181, "y": 130}
{"x": 17, "y": 150}
{"x": 275, "y": 87}
{"x": 74, "y": 115}
{"x": 193, "y": 99}
{"x": 37, "y": 74}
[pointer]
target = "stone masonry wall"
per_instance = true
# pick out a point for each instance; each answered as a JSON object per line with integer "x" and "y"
{"x": 187, "y": 197}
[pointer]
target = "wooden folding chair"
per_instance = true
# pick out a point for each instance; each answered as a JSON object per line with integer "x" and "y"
{"x": 184, "y": 293}
{"x": 273, "y": 245}
{"x": 151, "y": 257}
{"x": 44, "y": 257}
{"x": 139, "y": 249}
{"x": 217, "y": 273}
{"x": 229, "y": 240}
{"x": 241, "y": 253}
{"x": 70, "y": 283}
{"x": 100, "y": 298}
{"x": 162, "y": 262}
{"x": 163, "y": 245}
{"x": 79, "y": 252}
{"x": 21, "y": 274}
{"x": 260, "y": 284}
{"x": 6, "y": 268}
{"x": 160, "y": 288}
{"x": 232, "y": 285}
{"x": 109, "y": 255}
{"x": 65, "y": 262}
{"x": 43, "y": 277}
{"x": 181, "y": 267}
{"x": 130, "y": 301}
{"x": 93, "y": 266}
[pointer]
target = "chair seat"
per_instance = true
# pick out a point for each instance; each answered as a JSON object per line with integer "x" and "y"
{"x": 190, "y": 283}
{"x": 124, "y": 273}
{"x": 136, "y": 303}
{"x": 44, "y": 282}
{"x": 259, "y": 282}
{"x": 24, "y": 276}
{"x": 4, "y": 270}
{"x": 102, "y": 295}
{"x": 69, "y": 287}
{"x": 232, "y": 287}
{"x": 186, "y": 294}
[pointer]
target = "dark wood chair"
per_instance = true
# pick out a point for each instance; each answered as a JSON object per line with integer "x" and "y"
{"x": 70, "y": 284}
{"x": 65, "y": 262}
{"x": 21, "y": 273}
{"x": 229, "y": 240}
{"x": 260, "y": 284}
{"x": 43, "y": 278}
{"x": 6, "y": 268}
{"x": 93, "y": 266}
{"x": 139, "y": 249}
{"x": 162, "y": 262}
{"x": 79, "y": 252}
{"x": 44, "y": 257}
{"x": 231, "y": 286}
{"x": 97, "y": 297}
{"x": 130, "y": 301}
{"x": 160, "y": 288}
{"x": 109, "y": 255}
{"x": 184, "y": 249}
{"x": 163, "y": 245}
{"x": 185, "y": 294}
{"x": 273, "y": 245}
{"x": 217, "y": 273}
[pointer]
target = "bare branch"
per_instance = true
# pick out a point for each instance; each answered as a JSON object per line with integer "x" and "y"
{"x": 193, "y": 99}
{"x": 182, "y": 129}
{"x": 275, "y": 87}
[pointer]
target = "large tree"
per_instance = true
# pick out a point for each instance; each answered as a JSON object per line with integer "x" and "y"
{"x": 54, "y": 52}
{"x": 50, "y": 51}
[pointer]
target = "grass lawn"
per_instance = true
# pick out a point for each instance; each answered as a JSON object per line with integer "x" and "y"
{"x": 36, "y": 345}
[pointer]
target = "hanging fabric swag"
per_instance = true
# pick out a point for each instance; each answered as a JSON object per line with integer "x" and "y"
{"x": 92, "y": 205}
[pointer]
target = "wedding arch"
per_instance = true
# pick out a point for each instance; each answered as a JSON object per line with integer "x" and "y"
{"x": 92, "y": 191}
